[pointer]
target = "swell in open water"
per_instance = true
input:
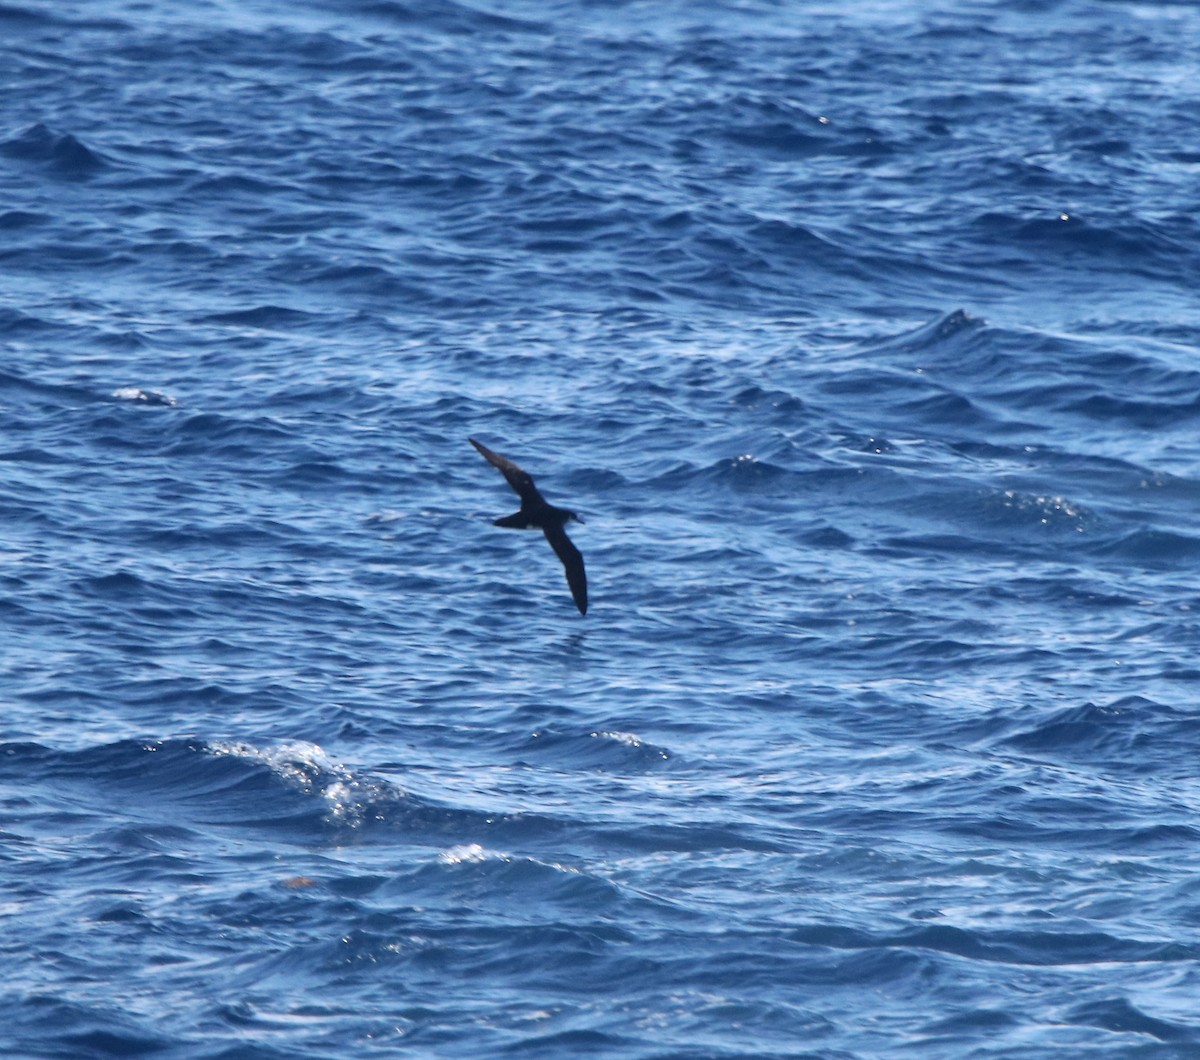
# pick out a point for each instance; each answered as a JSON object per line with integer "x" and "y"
{"x": 864, "y": 338}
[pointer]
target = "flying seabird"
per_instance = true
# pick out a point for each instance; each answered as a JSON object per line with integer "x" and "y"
{"x": 536, "y": 514}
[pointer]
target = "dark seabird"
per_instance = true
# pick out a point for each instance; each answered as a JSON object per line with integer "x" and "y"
{"x": 536, "y": 514}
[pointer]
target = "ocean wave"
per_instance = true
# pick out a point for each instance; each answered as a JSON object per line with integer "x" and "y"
{"x": 61, "y": 153}
{"x": 869, "y": 359}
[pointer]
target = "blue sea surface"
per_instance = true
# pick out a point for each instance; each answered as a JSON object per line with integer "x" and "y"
{"x": 865, "y": 338}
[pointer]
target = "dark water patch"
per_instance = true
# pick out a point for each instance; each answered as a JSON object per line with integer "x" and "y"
{"x": 314, "y": 473}
{"x": 60, "y": 153}
{"x": 1149, "y": 548}
{"x": 21, "y": 757}
{"x": 1132, "y": 732}
{"x": 118, "y": 585}
{"x": 17, "y": 16}
{"x": 1140, "y": 413}
{"x": 772, "y": 402}
{"x": 34, "y": 456}
{"x": 947, "y": 408}
{"x": 1037, "y": 374}
{"x": 73, "y": 1028}
{"x": 52, "y": 256}
{"x": 21, "y": 18}
{"x": 1123, "y": 1017}
{"x": 785, "y": 139}
{"x": 263, "y": 316}
{"x": 68, "y": 393}
{"x": 15, "y": 220}
{"x": 14, "y": 323}
{"x": 828, "y": 537}
{"x": 1135, "y": 245}
{"x": 222, "y": 435}
{"x": 1028, "y": 948}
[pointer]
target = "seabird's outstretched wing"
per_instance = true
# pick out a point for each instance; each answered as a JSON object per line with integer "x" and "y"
{"x": 572, "y": 561}
{"x": 520, "y": 480}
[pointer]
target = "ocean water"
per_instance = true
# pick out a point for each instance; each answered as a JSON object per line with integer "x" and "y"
{"x": 863, "y": 336}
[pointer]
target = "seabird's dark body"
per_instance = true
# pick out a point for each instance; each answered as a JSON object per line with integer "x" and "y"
{"x": 536, "y": 514}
